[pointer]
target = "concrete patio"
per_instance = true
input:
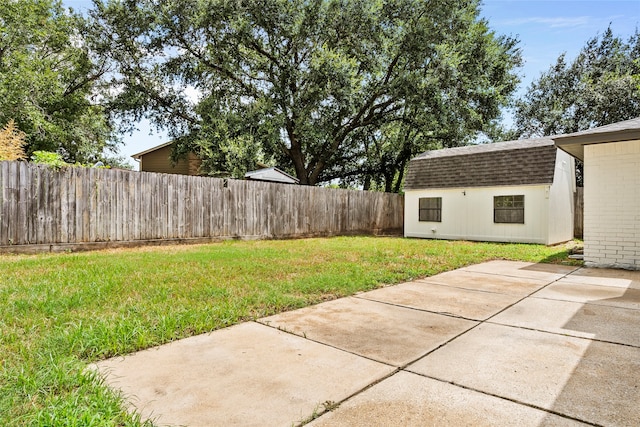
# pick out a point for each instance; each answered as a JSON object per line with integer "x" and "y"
{"x": 499, "y": 343}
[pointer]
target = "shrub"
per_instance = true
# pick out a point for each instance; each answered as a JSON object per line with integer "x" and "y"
{"x": 48, "y": 158}
{"x": 12, "y": 142}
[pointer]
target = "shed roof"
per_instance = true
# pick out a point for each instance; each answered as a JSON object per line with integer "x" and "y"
{"x": 521, "y": 162}
{"x": 574, "y": 143}
{"x": 271, "y": 175}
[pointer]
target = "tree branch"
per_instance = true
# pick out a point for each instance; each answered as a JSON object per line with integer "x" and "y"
{"x": 82, "y": 83}
{"x": 185, "y": 45}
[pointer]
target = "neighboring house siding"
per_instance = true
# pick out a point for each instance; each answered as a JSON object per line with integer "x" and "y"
{"x": 160, "y": 161}
{"x": 612, "y": 204}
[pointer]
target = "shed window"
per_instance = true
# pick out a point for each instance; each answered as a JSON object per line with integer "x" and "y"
{"x": 508, "y": 209}
{"x": 430, "y": 209}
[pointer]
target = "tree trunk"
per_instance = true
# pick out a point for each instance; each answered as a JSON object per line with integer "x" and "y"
{"x": 367, "y": 183}
{"x": 396, "y": 188}
{"x": 388, "y": 183}
{"x": 296, "y": 156}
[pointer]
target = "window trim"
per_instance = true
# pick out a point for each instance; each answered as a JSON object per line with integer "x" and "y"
{"x": 429, "y": 210}
{"x": 516, "y": 202}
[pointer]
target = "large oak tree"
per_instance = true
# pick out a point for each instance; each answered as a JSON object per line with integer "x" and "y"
{"x": 328, "y": 89}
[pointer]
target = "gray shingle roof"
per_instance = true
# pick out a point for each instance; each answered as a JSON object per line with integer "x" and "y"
{"x": 626, "y": 125}
{"x": 522, "y": 162}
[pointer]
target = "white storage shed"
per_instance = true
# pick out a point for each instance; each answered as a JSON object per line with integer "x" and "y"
{"x": 514, "y": 191}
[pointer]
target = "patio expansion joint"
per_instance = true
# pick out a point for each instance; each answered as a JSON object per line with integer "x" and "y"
{"x": 406, "y": 366}
{"x": 513, "y": 276}
{"x": 422, "y": 310}
{"x": 530, "y": 295}
{"x": 530, "y": 405}
{"x": 488, "y": 321}
{"x": 599, "y": 285}
{"x": 397, "y": 369}
{"x": 561, "y": 334}
{"x": 303, "y": 336}
{"x": 351, "y": 396}
{"x": 593, "y": 302}
{"x": 427, "y": 282}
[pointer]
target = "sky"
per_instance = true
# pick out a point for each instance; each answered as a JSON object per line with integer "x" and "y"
{"x": 545, "y": 28}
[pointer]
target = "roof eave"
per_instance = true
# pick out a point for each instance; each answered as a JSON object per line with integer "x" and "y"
{"x": 513, "y": 145}
{"x": 575, "y": 150}
{"x": 150, "y": 150}
{"x": 496, "y": 185}
{"x": 251, "y": 174}
{"x": 295, "y": 180}
{"x": 574, "y": 144}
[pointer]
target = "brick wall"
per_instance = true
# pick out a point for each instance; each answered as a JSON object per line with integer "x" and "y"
{"x": 612, "y": 205}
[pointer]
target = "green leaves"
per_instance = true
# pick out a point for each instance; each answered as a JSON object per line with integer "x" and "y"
{"x": 48, "y": 81}
{"x": 597, "y": 88}
{"x": 307, "y": 83}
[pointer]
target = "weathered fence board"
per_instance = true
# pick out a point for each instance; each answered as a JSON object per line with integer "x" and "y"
{"x": 40, "y": 205}
{"x": 578, "y": 218}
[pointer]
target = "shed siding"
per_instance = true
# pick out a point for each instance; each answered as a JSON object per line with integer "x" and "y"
{"x": 160, "y": 161}
{"x": 561, "y": 199}
{"x": 612, "y": 205}
{"x": 467, "y": 214}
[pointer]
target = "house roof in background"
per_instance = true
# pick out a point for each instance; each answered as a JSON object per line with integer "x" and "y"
{"x": 271, "y": 175}
{"x": 574, "y": 143}
{"x": 521, "y": 162}
{"x": 157, "y": 147}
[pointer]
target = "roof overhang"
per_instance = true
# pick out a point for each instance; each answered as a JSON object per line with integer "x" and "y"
{"x": 157, "y": 147}
{"x": 574, "y": 143}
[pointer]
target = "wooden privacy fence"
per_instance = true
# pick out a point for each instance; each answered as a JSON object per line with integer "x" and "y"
{"x": 40, "y": 205}
{"x": 578, "y": 218}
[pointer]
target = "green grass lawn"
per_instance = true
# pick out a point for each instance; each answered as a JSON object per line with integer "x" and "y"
{"x": 58, "y": 312}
